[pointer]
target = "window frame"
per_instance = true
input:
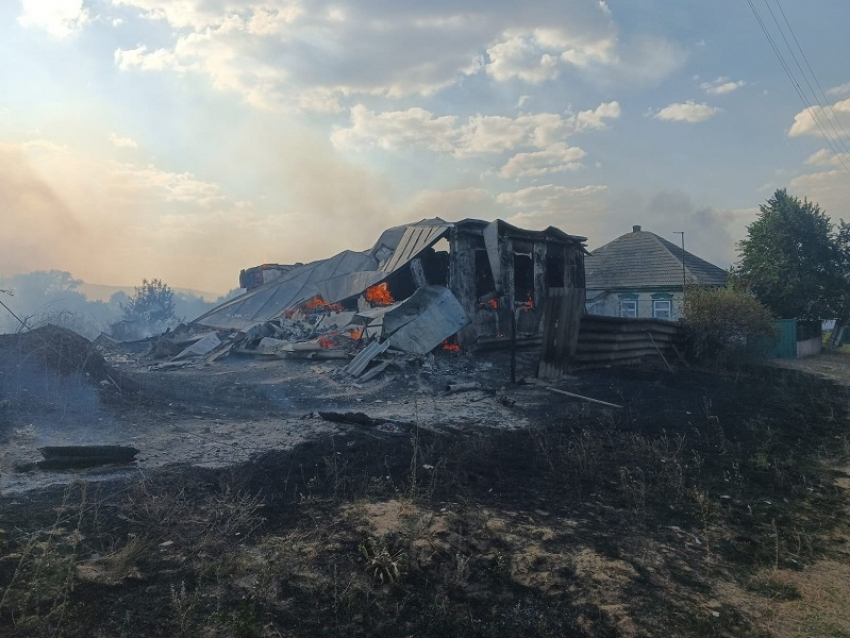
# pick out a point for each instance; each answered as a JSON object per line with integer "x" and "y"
{"x": 669, "y": 311}
{"x": 634, "y": 308}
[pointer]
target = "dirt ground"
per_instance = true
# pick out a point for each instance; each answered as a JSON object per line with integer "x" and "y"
{"x": 829, "y": 365}
{"x": 711, "y": 504}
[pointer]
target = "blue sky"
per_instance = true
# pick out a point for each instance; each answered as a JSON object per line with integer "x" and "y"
{"x": 189, "y": 139}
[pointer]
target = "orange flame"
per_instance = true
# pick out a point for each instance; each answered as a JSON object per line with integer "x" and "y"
{"x": 450, "y": 346}
{"x": 356, "y": 333}
{"x": 318, "y": 302}
{"x": 315, "y": 302}
{"x": 529, "y": 304}
{"x": 492, "y": 303}
{"x": 379, "y": 295}
{"x": 327, "y": 342}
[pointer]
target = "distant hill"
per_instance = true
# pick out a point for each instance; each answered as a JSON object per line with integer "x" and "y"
{"x": 100, "y": 292}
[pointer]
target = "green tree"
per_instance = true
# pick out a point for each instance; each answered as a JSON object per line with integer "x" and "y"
{"x": 791, "y": 260}
{"x": 152, "y": 302}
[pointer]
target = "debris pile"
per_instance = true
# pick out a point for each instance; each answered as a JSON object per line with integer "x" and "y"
{"x": 65, "y": 352}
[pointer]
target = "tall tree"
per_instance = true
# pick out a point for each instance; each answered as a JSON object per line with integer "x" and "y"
{"x": 791, "y": 259}
{"x": 152, "y": 302}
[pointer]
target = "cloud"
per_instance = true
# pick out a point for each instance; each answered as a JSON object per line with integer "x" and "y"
{"x": 60, "y": 18}
{"x": 542, "y": 53}
{"x": 455, "y": 204}
{"x": 298, "y": 56}
{"x": 141, "y": 58}
{"x": 825, "y": 157}
{"x": 834, "y": 118}
{"x": 721, "y": 86}
{"x": 478, "y": 134}
{"x": 839, "y": 91}
{"x": 168, "y": 187}
{"x": 595, "y": 119}
{"x": 645, "y": 61}
{"x": 829, "y": 188}
{"x": 689, "y": 111}
{"x": 574, "y": 210}
{"x": 397, "y": 129}
{"x": 518, "y": 58}
{"x": 547, "y": 196}
{"x": 122, "y": 142}
{"x": 553, "y": 159}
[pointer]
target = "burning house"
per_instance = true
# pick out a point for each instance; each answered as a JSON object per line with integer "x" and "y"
{"x": 462, "y": 284}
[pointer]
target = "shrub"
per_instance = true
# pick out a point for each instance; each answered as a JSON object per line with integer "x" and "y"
{"x": 727, "y": 325}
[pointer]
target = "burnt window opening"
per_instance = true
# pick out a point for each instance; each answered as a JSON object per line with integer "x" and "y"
{"x": 555, "y": 271}
{"x": 523, "y": 278}
{"x": 484, "y": 283}
{"x": 435, "y": 263}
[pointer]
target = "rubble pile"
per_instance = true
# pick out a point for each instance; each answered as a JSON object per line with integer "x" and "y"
{"x": 63, "y": 351}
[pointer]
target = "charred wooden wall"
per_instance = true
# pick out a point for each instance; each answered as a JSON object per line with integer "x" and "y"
{"x": 526, "y": 267}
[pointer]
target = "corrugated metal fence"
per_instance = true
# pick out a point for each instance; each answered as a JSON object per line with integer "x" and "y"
{"x": 618, "y": 341}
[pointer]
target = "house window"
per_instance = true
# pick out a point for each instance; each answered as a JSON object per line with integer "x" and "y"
{"x": 628, "y": 308}
{"x": 661, "y": 309}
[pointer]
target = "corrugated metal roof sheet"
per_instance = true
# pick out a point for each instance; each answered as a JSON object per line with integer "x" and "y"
{"x": 415, "y": 239}
{"x": 391, "y": 237}
{"x": 290, "y": 289}
{"x": 348, "y": 273}
{"x": 424, "y": 320}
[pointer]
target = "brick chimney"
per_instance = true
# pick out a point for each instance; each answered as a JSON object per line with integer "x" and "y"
{"x": 636, "y": 228}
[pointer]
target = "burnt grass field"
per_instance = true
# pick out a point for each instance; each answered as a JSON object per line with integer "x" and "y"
{"x": 713, "y": 504}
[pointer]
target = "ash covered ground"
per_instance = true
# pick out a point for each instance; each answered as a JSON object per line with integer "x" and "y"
{"x": 711, "y": 504}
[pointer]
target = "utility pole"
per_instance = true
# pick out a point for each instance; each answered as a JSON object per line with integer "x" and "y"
{"x": 684, "y": 281}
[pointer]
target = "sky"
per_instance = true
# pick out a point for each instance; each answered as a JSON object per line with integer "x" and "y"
{"x": 188, "y": 139}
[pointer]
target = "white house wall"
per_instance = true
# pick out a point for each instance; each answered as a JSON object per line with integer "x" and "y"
{"x": 608, "y": 303}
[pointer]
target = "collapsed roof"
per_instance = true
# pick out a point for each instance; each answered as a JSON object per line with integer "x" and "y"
{"x": 398, "y": 256}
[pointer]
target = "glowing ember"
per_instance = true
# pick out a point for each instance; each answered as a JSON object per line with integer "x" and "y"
{"x": 492, "y": 303}
{"x": 451, "y": 346}
{"x": 356, "y": 333}
{"x": 327, "y": 342}
{"x": 315, "y": 302}
{"x": 379, "y": 295}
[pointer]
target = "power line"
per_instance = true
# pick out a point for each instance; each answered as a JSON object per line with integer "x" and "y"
{"x": 809, "y": 66}
{"x": 831, "y": 122}
{"x": 806, "y": 103}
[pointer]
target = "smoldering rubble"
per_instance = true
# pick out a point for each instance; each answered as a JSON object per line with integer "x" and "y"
{"x": 468, "y": 285}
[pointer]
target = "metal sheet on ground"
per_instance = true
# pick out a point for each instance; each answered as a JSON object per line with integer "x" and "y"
{"x": 430, "y": 316}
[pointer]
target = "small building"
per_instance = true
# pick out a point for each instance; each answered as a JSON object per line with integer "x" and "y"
{"x": 643, "y": 275}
